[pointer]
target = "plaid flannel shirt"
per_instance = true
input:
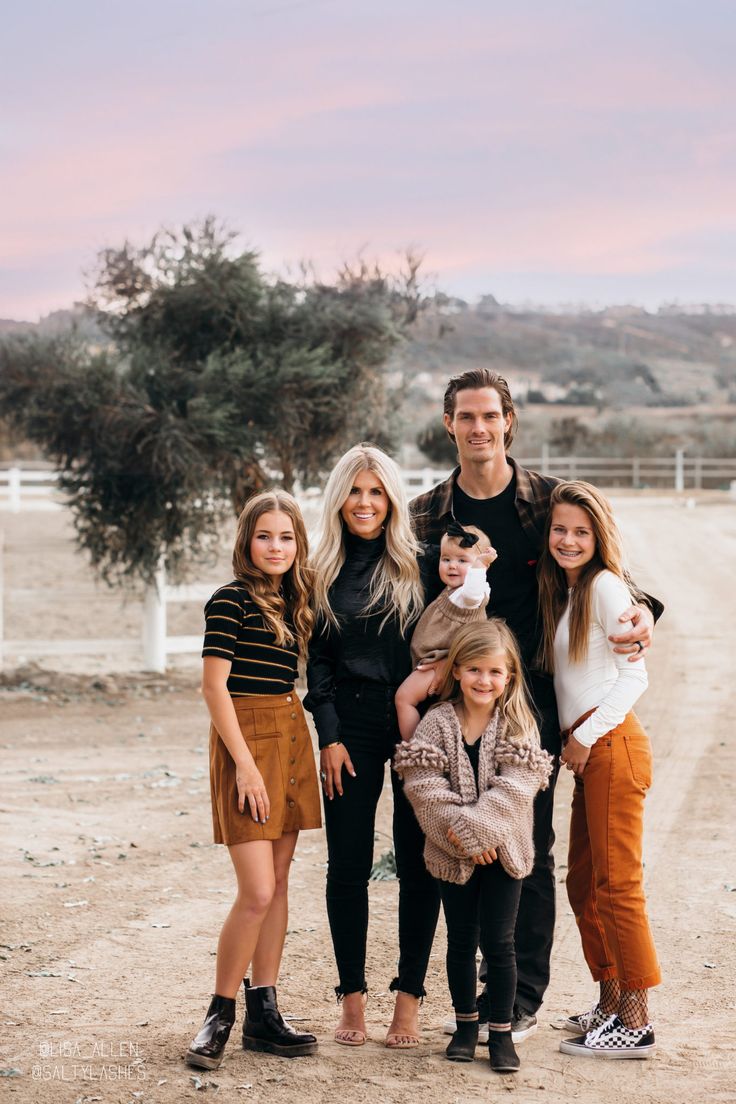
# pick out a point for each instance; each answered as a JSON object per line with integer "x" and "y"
{"x": 431, "y": 511}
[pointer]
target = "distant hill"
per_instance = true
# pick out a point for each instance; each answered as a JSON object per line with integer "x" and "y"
{"x": 599, "y": 382}
{"x": 79, "y": 318}
{"x": 617, "y": 357}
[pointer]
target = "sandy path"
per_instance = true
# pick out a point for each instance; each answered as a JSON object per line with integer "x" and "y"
{"x": 105, "y": 802}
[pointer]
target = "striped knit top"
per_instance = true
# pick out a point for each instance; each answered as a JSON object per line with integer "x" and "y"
{"x": 234, "y": 630}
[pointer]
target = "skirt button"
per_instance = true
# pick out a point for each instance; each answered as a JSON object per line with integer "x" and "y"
{"x": 291, "y": 804}
{"x": 293, "y": 739}
{"x": 293, "y": 716}
{"x": 289, "y": 698}
{"x": 293, "y": 781}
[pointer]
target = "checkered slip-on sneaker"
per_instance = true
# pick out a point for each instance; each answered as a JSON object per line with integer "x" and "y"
{"x": 586, "y": 1021}
{"x": 612, "y": 1040}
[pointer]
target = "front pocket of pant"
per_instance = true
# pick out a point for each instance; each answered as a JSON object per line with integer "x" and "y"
{"x": 258, "y": 724}
{"x": 640, "y": 761}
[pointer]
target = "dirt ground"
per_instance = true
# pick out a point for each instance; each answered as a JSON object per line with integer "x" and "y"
{"x": 113, "y": 894}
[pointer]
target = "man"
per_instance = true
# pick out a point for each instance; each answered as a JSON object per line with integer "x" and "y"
{"x": 491, "y": 491}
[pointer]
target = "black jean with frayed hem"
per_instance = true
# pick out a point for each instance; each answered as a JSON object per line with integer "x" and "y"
{"x": 370, "y": 733}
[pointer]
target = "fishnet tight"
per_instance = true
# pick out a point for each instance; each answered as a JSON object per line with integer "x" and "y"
{"x": 632, "y": 1005}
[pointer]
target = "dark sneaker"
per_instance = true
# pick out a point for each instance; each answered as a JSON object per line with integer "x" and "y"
{"x": 523, "y": 1024}
{"x": 586, "y": 1021}
{"x": 612, "y": 1040}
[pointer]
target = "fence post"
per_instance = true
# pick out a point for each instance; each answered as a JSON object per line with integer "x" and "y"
{"x": 14, "y": 490}
{"x": 545, "y": 458}
{"x": 680, "y": 470}
{"x": 698, "y": 472}
{"x": 635, "y": 472}
{"x": 154, "y": 622}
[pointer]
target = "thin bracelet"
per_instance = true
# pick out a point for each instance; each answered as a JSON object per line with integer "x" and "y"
{"x": 335, "y": 743}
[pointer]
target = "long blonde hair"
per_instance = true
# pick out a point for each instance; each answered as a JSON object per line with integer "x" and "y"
{"x": 396, "y": 587}
{"x": 553, "y": 584}
{"x": 487, "y": 638}
{"x": 293, "y": 598}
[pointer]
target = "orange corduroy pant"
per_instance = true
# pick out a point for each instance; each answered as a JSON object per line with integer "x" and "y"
{"x": 605, "y": 882}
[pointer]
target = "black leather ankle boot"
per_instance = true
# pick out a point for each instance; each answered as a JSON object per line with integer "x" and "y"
{"x": 265, "y": 1030}
{"x": 463, "y": 1043}
{"x": 206, "y": 1050}
{"x": 502, "y": 1052}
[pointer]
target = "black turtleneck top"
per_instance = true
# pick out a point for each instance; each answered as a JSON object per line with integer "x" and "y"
{"x": 360, "y": 649}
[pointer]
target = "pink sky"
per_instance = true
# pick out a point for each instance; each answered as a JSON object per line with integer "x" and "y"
{"x": 551, "y": 152}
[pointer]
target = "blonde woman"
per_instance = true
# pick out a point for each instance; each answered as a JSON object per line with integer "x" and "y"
{"x": 472, "y": 771}
{"x": 368, "y": 595}
{"x": 583, "y": 588}
{"x": 256, "y": 627}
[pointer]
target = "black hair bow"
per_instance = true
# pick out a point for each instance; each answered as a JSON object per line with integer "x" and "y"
{"x": 467, "y": 540}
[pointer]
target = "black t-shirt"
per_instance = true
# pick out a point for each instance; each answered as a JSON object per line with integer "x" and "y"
{"x": 512, "y": 577}
{"x": 473, "y": 753}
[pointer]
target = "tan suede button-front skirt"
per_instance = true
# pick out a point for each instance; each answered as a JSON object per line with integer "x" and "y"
{"x": 275, "y": 730}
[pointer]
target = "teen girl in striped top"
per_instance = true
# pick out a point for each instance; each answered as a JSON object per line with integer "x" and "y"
{"x": 262, "y": 771}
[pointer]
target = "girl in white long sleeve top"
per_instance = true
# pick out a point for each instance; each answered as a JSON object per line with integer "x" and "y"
{"x": 583, "y": 590}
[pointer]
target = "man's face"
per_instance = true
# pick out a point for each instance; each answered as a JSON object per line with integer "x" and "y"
{"x": 478, "y": 425}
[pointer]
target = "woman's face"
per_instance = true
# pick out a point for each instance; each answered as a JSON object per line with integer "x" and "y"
{"x": 571, "y": 539}
{"x": 366, "y": 508}
{"x": 273, "y": 544}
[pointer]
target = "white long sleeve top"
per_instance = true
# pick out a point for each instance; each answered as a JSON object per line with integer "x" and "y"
{"x": 473, "y": 590}
{"x": 604, "y": 679}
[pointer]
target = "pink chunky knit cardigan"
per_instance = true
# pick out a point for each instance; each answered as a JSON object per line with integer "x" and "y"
{"x": 440, "y": 784}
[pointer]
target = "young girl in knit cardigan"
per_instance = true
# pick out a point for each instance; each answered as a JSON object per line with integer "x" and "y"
{"x": 471, "y": 773}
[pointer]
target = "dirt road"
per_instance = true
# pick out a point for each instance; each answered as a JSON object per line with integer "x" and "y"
{"x": 113, "y": 894}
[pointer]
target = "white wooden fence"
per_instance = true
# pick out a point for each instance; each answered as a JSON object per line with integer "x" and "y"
{"x": 23, "y": 488}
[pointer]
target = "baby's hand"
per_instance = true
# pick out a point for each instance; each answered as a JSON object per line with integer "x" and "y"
{"x": 485, "y": 559}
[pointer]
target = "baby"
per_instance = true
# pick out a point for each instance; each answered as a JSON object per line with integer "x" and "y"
{"x": 465, "y": 555}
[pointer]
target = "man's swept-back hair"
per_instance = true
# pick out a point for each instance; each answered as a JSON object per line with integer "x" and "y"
{"x": 475, "y": 379}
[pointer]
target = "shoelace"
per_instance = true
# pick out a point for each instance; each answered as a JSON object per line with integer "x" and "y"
{"x": 594, "y": 1035}
{"x": 589, "y": 1017}
{"x": 614, "y": 1023}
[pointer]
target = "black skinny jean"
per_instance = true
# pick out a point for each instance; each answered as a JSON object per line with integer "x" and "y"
{"x": 482, "y": 911}
{"x": 370, "y": 733}
{"x": 535, "y": 922}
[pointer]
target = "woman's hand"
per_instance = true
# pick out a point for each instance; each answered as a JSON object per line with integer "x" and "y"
{"x": 455, "y": 842}
{"x": 640, "y": 633}
{"x": 575, "y": 756}
{"x": 439, "y": 667}
{"x": 251, "y": 788}
{"x": 331, "y": 761}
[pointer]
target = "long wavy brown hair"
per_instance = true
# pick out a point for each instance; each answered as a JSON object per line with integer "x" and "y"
{"x": 487, "y": 638}
{"x": 553, "y": 585}
{"x": 287, "y": 611}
